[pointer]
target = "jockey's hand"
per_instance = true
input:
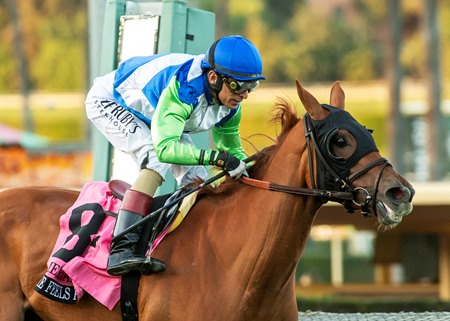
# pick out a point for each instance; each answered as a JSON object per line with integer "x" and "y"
{"x": 233, "y": 165}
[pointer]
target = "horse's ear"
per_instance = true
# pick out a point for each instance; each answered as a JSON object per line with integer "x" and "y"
{"x": 337, "y": 96}
{"x": 311, "y": 104}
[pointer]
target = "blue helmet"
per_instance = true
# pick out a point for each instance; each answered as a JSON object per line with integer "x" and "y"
{"x": 235, "y": 57}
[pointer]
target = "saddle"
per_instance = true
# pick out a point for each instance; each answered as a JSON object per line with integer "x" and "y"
{"x": 77, "y": 265}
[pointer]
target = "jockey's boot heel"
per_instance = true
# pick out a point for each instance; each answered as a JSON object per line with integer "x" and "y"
{"x": 123, "y": 257}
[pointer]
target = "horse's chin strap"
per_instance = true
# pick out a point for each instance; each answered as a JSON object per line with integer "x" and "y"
{"x": 365, "y": 206}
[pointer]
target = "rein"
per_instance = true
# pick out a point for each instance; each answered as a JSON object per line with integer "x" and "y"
{"x": 297, "y": 190}
{"x": 347, "y": 193}
{"x": 177, "y": 199}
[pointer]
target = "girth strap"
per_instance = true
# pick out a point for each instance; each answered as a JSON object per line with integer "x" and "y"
{"x": 129, "y": 296}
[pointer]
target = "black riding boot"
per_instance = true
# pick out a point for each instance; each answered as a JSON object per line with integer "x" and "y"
{"x": 122, "y": 258}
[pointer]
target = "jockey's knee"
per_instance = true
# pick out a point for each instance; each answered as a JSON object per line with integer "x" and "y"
{"x": 147, "y": 182}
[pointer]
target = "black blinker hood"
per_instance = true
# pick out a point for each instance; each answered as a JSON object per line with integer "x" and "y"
{"x": 325, "y": 129}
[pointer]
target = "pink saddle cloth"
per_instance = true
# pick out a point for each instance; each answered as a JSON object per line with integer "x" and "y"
{"x": 78, "y": 261}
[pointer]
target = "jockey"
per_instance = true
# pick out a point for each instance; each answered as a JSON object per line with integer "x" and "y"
{"x": 148, "y": 108}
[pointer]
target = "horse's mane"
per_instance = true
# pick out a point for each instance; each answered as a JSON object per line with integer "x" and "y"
{"x": 284, "y": 114}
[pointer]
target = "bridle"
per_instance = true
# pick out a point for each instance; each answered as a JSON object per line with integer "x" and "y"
{"x": 343, "y": 191}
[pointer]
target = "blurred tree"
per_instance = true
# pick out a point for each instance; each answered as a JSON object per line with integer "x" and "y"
{"x": 8, "y": 79}
{"x": 308, "y": 39}
{"x": 434, "y": 116}
{"x": 60, "y": 62}
{"x": 22, "y": 64}
{"x": 396, "y": 123}
{"x": 324, "y": 46}
{"x": 223, "y": 18}
{"x": 444, "y": 30}
{"x": 278, "y": 12}
{"x": 242, "y": 21}
{"x": 412, "y": 55}
{"x": 54, "y": 44}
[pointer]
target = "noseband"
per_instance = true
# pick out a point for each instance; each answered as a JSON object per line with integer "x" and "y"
{"x": 364, "y": 206}
{"x": 343, "y": 192}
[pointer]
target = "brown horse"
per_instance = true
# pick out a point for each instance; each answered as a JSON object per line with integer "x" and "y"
{"x": 234, "y": 257}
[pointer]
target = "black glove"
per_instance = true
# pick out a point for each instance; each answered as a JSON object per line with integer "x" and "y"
{"x": 233, "y": 165}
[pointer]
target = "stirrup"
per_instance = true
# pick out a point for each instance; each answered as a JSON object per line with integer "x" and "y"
{"x": 152, "y": 265}
{"x": 126, "y": 266}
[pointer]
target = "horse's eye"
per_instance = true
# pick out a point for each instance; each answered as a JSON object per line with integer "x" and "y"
{"x": 339, "y": 142}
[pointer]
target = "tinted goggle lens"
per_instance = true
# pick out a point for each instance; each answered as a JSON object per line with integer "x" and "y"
{"x": 240, "y": 87}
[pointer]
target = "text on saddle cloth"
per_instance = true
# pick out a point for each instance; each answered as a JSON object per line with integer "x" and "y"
{"x": 79, "y": 258}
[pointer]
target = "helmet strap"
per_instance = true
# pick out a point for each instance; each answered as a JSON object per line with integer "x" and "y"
{"x": 216, "y": 88}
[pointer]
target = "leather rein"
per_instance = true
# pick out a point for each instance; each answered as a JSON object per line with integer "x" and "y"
{"x": 347, "y": 193}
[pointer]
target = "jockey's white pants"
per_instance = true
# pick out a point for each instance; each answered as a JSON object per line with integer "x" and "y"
{"x": 131, "y": 135}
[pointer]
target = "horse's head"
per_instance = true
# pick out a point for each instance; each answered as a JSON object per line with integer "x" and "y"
{"x": 347, "y": 159}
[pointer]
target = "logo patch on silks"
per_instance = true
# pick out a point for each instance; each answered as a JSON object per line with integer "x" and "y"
{"x": 53, "y": 289}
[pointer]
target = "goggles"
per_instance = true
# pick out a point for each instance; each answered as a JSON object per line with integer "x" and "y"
{"x": 239, "y": 87}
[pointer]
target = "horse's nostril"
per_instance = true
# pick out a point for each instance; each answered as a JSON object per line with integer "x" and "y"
{"x": 399, "y": 194}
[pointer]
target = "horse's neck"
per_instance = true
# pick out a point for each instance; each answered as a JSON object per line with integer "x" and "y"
{"x": 278, "y": 224}
{"x": 290, "y": 167}
{"x": 245, "y": 244}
